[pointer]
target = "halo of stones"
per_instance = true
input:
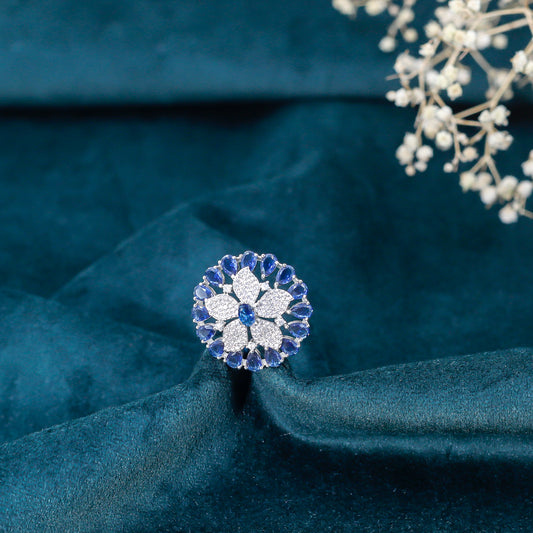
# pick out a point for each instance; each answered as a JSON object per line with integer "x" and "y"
{"x": 272, "y": 275}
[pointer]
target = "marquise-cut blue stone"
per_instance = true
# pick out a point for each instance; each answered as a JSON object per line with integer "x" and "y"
{"x": 302, "y": 310}
{"x": 205, "y": 332}
{"x": 203, "y": 291}
{"x": 268, "y": 265}
{"x": 249, "y": 259}
{"x": 200, "y": 313}
{"x": 298, "y": 290}
{"x": 272, "y": 357}
{"x": 229, "y": 265}
{"x": 289, "y": 346}
{"x": 253, "y": 362}
{"x": 234, "y": 359}
{"x": 285, "y": 275}
{"x": 216, "y": 348}
{"x": 246, "y": 314}
{"x": 298, "y": 329}
{"x": 214, "y": 276}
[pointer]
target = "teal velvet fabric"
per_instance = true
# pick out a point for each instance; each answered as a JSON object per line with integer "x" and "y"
{"x": 409, "y": 406}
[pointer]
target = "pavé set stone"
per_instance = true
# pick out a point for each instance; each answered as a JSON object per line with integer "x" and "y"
{"x": 251, "y": 311}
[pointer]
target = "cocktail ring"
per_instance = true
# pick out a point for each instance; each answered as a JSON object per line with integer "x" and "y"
{"x": 245, "y": 317}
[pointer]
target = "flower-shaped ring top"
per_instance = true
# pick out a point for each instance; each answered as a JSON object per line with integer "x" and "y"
{"x": 243, "y": 324}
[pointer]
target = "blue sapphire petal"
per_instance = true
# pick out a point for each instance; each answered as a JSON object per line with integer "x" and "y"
{"x": 298, "y": 329}
{"x": 216, "y": 348}
{"x": 214, "y": 276}
{"x": 249, "y": 259}
{"x": 285, "y": 275}
{"x": 302, "y": 310}
{"x": 298, "y": 290}
{"x": 234, "y": 359}
{"x": 268, "y": 265}
{"x": 246, "y": 314}
{"x": 272, "y": 357}
{"x": 253, "y": 362}
{"x": 203, "y": 291}
{"x": 289, "y": 346}
{"x": 229, "y": 265}
{"x": 199, "y": 313}
{"x": 205, "y": 332}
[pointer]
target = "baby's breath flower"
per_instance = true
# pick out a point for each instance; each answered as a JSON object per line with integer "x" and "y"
{"x": 519, "y": 61}
{"x": 387, "y": 44}
{"x": 444, "y": 140}
{"x": 499, "y": 140}
{"x": 499, "y": 115}
{"x": 375, "y": 7}
{"x": 470, "y": 154}
{"x": 508, "y": 214}
{"x": 467, "y": 180}
{"x": 527, "y": 166}
{"x": 346, "y": 7}
{"x": 454, "y": 91}
{"x": 488, "y": 195}
{"x": 524, "y": 189}
{"x": 506, "y": 187}
{"x": 500, "y": 41}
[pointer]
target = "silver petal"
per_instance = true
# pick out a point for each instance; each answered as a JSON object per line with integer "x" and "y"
{"x": 222, "y": 307}
{"x": 273, "y": 304}
{"x": 235, "y": 336}
{"x": 266, "y": 334}
{"x": 246, "y": 286}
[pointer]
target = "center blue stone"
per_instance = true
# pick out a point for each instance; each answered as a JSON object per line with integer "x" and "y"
{"x": 246, "y": 314}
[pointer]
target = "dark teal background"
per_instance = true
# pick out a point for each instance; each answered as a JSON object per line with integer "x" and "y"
{"x": 140, "y": 142}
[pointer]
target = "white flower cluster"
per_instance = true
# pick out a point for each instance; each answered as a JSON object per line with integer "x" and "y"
{"x": 433, "y": 79}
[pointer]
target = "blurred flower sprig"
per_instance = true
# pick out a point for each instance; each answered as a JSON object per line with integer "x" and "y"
{"x": 452, "y": 52}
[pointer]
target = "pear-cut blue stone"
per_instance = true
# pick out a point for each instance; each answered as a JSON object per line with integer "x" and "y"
{"x": 199, "y": 313}
{"x": 205, "y": 332}
{"x": 229, "y": 265}
{"x": 298, "y": 290}
{"x": 234, "y": 359}
{"x": 302, "y": 310}
{"x": 289, "y": 346}
{"x": 272, "y": 357}
{"x": 249, "y": 259}
{"x": 216, "y": 348}
{"x": 203, "y": 291}
{"x": 246, "y": 314}
{"x": 268, "y": 265}
{"x": 285, "y": 275}
{"x": 253, "y": 362}
{"x": 298, "y": 329}
{"x": 214, "y": 276}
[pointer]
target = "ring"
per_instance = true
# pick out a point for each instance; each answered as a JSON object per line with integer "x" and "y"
{"x": 245, "y": 309}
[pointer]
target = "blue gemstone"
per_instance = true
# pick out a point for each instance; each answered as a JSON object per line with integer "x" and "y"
{"x": 216, "y": 348}
{"x": 234, "y": 359}
{"x": 272, "y": 357}
{"x": 214, "y": 276}
{"x": 253, "y": 362}
{"x": 249, "y": 259}
{"x": 268, "y": 265}
{"x": 203, "y": 291}
{"x": 298, "y": 329}
{"x": 246, "y": 314}
{"x": 229, "y": 265}
{"x": 289, "y": 346}
{"x": 200, "y": 313}
{"x": 298, "y": 290}
{"x": 285, "y": 275}
{"x": 302, "y": 310}
{"x": 205, "y": 332}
